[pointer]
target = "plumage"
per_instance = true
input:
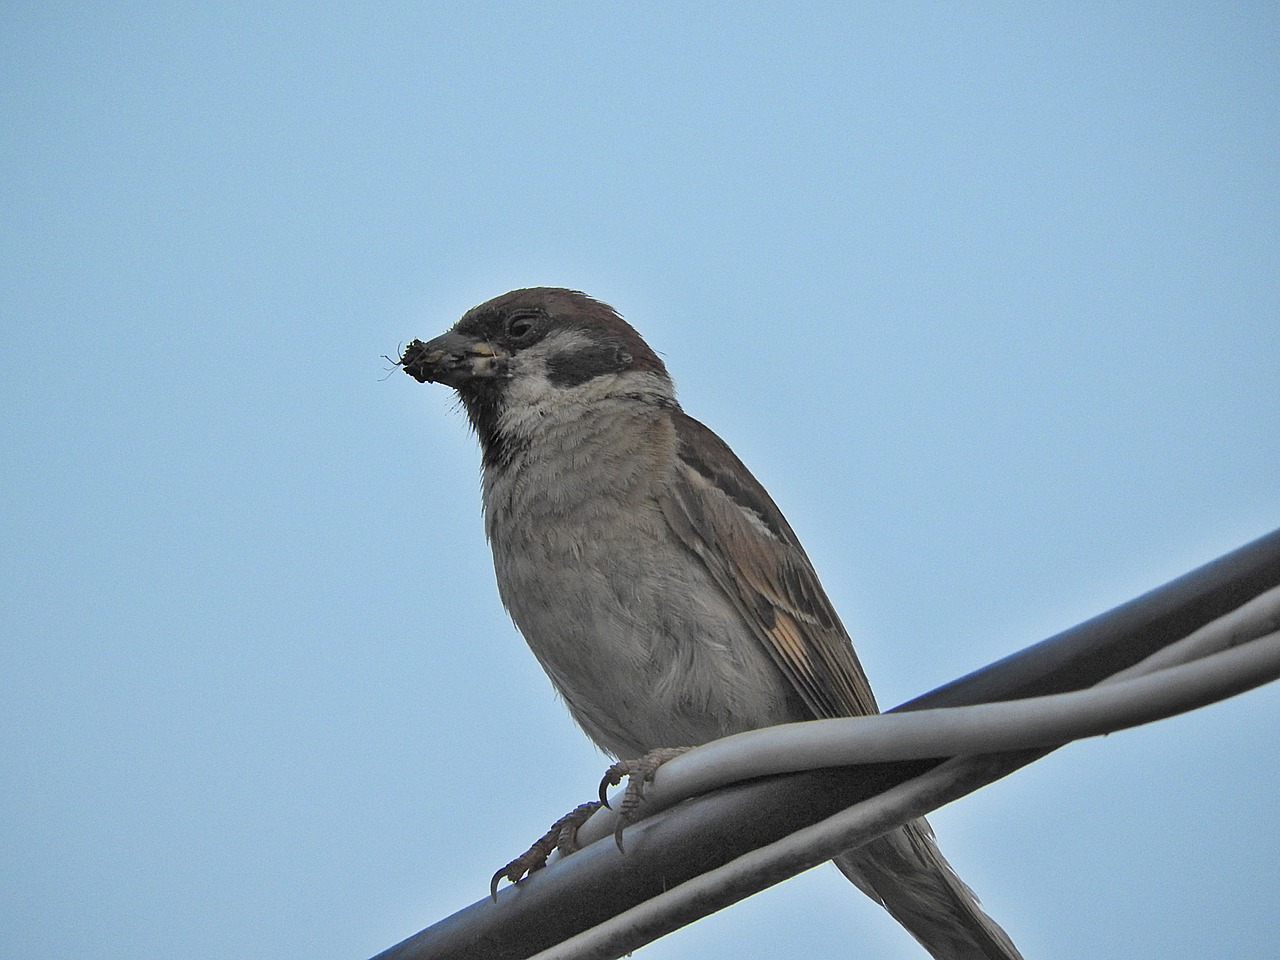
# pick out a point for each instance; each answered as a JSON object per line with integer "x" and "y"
{"x": 651, "y": 574}
{"x": 726, "y": 518}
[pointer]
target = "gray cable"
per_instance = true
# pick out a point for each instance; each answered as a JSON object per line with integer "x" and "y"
{"x": 1224, "y": 658}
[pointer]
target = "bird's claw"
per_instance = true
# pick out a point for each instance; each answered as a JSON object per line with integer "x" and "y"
{"x": 638, "y": 773}
{"x": 562, "y": 836}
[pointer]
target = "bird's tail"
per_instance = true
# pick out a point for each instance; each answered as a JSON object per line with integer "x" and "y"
{"x": 906, "y": 873}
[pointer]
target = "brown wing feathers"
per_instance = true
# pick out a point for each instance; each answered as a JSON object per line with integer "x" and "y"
{"x": 746, "y": 543}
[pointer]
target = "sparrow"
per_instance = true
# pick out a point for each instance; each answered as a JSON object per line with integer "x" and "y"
{"x": 656, "y": 582}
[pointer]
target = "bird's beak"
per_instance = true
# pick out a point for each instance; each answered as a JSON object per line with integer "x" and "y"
{"x": 454, "y": 359}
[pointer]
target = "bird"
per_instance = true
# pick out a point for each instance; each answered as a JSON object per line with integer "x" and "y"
{"x": 652, "y": 576}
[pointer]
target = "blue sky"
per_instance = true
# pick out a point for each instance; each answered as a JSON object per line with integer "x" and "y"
{"x": 986, "y": 295}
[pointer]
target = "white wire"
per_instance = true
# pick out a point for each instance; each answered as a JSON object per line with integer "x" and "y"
{"x": 1257, "y": 618}
{"x": 998, "y": 727}
{"x": 774, "y": 862}
{"x": 1150, "y": 691}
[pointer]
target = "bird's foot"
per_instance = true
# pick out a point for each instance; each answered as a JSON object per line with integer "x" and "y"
{"x": 638, "y": 773}
{"x": 562, "y": 836}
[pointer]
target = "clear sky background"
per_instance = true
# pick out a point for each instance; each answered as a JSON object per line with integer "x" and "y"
{"x": 987, "y": 296}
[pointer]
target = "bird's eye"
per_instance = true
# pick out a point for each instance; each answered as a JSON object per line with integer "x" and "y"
{"x": 520, "y": 328}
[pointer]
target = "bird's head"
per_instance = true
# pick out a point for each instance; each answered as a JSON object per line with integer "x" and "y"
{"x": 534, "y": 352}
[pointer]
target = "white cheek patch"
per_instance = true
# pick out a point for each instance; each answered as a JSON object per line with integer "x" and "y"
{"x": 533, "y": 399}
{"x": 530, "y": 396}
{"x": 530, "y": 383}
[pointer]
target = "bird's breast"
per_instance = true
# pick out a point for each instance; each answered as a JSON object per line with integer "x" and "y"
{"x": 645, "y": 647}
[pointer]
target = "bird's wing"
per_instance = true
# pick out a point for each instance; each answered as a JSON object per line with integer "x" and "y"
{"x": 723, "y": 514}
